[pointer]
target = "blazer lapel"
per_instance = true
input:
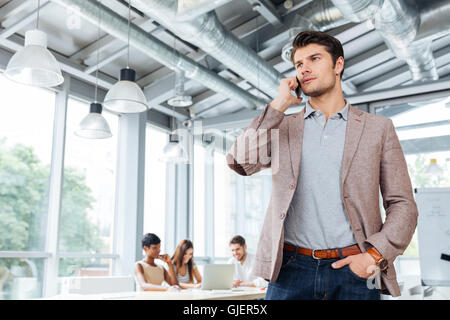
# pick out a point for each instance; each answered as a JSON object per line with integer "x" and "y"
{"x": 355, "y": 126}
{"x": 295, "y": 138}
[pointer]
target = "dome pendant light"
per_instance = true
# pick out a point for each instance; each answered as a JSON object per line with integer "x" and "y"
{"x": 94, "y": 125}
{"x": 173, "y": 152}
{"x": 434, "y": 169}
{"x": 126, "y": 96}
{"x": 180, "y": 99}
{"x": 34, "y": 64}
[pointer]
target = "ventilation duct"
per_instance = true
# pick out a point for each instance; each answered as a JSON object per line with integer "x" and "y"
{"x": 405, "y": 27}
{"x": 190, "y": 9}
{"x": 320, "y": 15}
{"x": 117, "y": 26}
{"x": 358, "y": 10}
{"x": 398, "y": 23}
{"x": 210, "y": 35}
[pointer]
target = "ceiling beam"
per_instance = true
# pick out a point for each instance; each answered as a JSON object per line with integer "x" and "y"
{"x": 108, "y": 41}
{"x": 12, "y": 8}
{"x": 23, "y": 22}
{"x": 402, "y": 74}
{"x": 267, "y": 10}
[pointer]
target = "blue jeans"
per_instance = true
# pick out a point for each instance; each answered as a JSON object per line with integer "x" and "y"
{"x": 304, "y": 278}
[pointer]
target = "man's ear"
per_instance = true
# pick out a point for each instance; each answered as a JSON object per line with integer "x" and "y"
{"x": 339, "y": 65}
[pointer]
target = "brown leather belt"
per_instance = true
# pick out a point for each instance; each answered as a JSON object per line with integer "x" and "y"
{"x": 326, "y": 253}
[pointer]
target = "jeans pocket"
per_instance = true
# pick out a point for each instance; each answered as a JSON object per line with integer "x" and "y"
{"x": 353, "y": 274}
{"x": 287, "y": 259}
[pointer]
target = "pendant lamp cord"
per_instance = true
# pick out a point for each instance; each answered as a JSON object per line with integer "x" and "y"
{"x": 98, "y": 50}
{"x": 37, "y": 20}
{"x": 129, "y": 19}
{"x": 257, "y": 53}
{"x": 175, "y": 77}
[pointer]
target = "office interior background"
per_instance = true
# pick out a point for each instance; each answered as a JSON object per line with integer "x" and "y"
{"x": 71, "y": 206}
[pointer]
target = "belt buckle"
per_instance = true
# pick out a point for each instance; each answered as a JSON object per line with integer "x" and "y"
{"x": 312, "y": 254}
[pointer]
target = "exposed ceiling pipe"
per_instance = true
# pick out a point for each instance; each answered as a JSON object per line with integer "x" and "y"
{"x": 358, "y": 10}
{"x": 117, "y": 26}
{"x": 320, "y": 15}
{"x": 189, "y": 9}
{"x": 434, "y": 18}
{"x": 210, "y": 35}
{"x": 398, "y": 23}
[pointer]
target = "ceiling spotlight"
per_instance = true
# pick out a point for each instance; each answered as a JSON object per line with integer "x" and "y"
{"x": 288, "y": 4}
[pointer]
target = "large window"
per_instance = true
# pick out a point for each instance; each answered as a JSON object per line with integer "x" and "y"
{"x": 155, "y": 183}
{"x": 224, "y": 205}
{"x": 87, "y": 208}
{"x": 26, "y": 128}
{"x": 240, "y": 205}
{"x": 257, "y": 195}
{"x": 423, "y": 129}
{"x": 199, "y": 200}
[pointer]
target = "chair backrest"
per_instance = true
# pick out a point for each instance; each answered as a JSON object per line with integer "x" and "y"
{"x": 94, "y": 285}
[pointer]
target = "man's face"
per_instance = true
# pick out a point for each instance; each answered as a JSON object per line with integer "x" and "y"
{"x": 238, "y": 251}
{"x": 315, "y": 70}
{"x": 152, "y": 251}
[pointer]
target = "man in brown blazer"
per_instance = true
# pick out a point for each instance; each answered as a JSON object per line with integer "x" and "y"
{"x": 323, "y": 236}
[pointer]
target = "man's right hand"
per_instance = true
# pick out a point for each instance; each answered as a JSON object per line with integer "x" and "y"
{"x": 285, "y": 99}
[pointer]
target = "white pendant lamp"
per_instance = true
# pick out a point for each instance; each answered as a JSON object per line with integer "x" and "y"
{"x": 34, "y": 64}
{"x": 180, "y": 99}
{"x": 94, "y": 126}
{"x": 126, "y": 96}
{"x": 173, "y": 152}
{"x": 433, "y": 168}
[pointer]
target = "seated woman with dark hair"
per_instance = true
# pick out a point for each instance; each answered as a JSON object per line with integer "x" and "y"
{"x": 150, "y": 276}
{"x": 184, "y": 266}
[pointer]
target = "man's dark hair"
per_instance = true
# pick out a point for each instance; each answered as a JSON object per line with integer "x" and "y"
{"x": 331, "y": 44}
{"x": 238, "y": 239}
{"x": 149, "y": 239}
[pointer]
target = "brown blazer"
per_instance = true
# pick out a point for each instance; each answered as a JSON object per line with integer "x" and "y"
{"x": 373, "y": 159}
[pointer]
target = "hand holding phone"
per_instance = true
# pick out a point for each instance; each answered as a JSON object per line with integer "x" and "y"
{"x": 285, "y": 98}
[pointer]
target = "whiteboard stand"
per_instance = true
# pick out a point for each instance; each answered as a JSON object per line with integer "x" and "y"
{"x": 434, "y": 235}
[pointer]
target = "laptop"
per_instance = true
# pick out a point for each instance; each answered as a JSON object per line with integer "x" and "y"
{"x": 218, "y": 277}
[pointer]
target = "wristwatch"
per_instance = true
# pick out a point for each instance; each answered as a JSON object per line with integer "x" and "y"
{"x": 379, "y": 260}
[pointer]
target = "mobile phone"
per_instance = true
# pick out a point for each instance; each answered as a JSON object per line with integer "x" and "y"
{"x": 298, "y": 91}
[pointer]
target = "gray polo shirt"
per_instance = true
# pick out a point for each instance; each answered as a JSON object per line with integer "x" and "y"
{"x": 317, "y": 218}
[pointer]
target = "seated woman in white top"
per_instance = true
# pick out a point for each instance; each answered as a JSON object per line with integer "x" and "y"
{"x": 148, "y": 275}
{"x": 184, "y": 266}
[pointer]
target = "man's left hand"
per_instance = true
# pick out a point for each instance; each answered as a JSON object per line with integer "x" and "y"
{"x": 361, "y": 264}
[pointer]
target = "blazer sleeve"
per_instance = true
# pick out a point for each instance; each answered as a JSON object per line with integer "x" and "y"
{"x": 398, "y": 200}
{"x": 251, "y": 152}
